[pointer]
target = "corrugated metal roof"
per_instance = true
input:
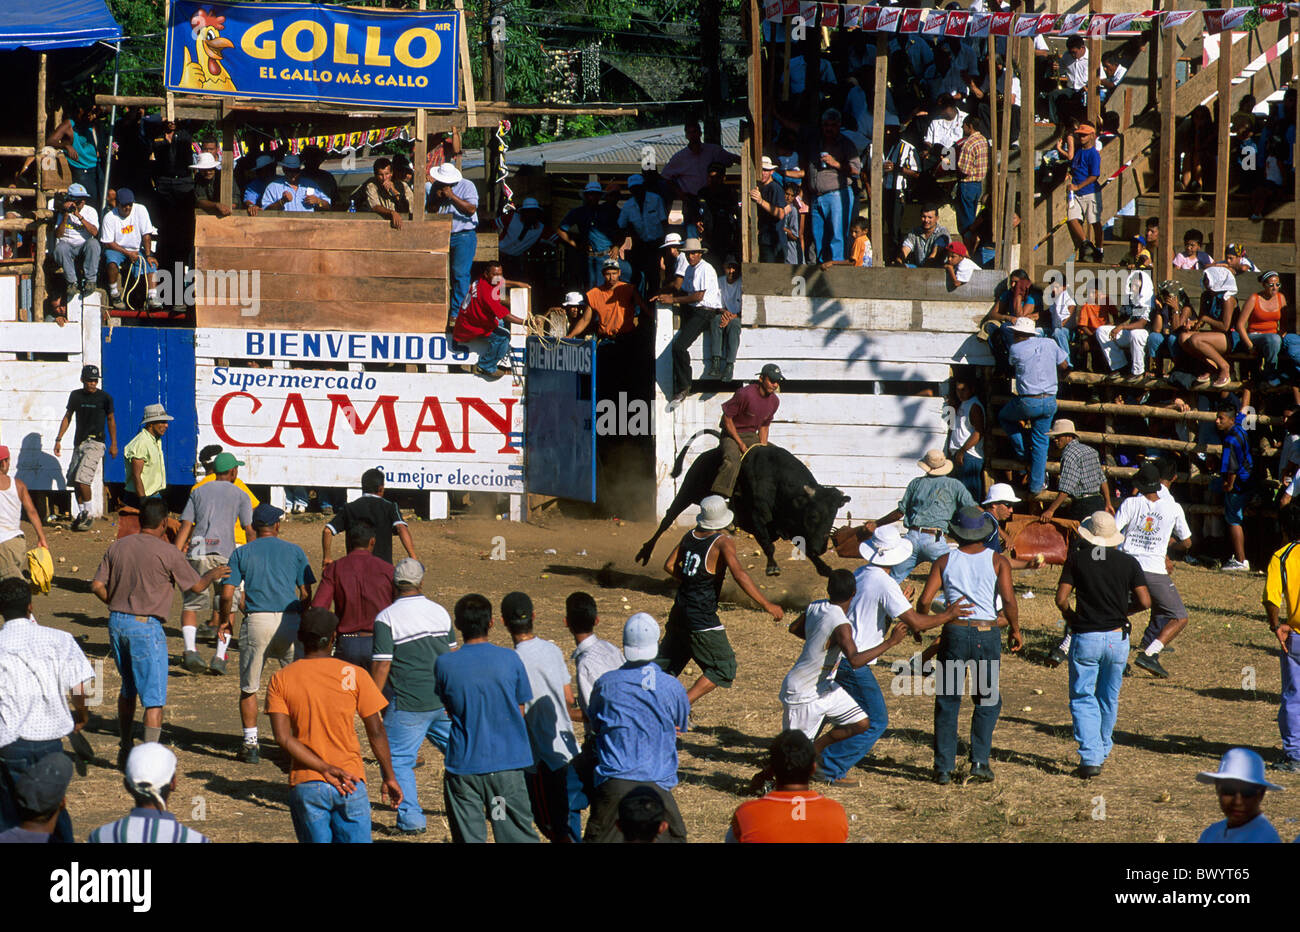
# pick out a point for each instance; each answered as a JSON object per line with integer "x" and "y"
{"x": 617, "y": 152}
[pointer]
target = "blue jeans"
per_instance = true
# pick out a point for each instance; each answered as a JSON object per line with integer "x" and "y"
{"x": 968, "y": 203}
{"x": 498, "y": 348}
{"x": 1291, "y": 352}
{"x": 827, "y": 216}
{"x": 1097, "y": 660}
{"x": 16, "y": 759}
{"x": 1268, "y": 346}
{"x": 1158, "y": 343}
{"x": 926, "y": 548}
{"x": 322, "y": 815}
{"x": 969, "y": 474}
{"x": 1064, "y": 336}
{"x": 406, "y": 734}
{"x": 355, "y": 649}
{"x": 959, "y": 646}
{"x": 861, "y": 684}
{"x": 460, "y": 261}
{"x": 1288, "y": 713}
{"x": 1039, "y": 412}
{"x": 140, "y": 652}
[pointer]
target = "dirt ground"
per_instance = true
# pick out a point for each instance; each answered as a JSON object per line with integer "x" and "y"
{"x": 1167, "y": 731}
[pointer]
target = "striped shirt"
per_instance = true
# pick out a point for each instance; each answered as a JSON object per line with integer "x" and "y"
{"x": 973, "y": 158}
{"x": 146, "y": 826}
{"x": 1081, "y": 474}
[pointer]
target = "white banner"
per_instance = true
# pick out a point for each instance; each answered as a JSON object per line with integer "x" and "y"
{"x": 316, "y": 427}
{"x": 328, "y": 346}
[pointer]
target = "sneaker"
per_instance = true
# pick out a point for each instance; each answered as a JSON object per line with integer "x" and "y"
{"x": 116, "y": 302}
{"x": 82, "y": 522}
{"x": 1288, "y": 765}
{"x": 820, "y": 776}
{"x": 192, "y": 662}
{"x": 942, "y": 777}
{"x": 1056, "y": 657}
{"x": 248, "y": 754}
{"x": 218, "y": 666}
{"x": 1087, "y": 771}
{"x": 153, "y": 302}
{"x": 1236, "y": 566}
{"x": 980, "y": 773}
{"x": 398, "y": 830}
{"x": 1151, "y": 665}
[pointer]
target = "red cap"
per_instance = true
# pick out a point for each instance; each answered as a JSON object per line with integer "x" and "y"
{"x": 958, "y": 248}
{"x": 4, "y": 454}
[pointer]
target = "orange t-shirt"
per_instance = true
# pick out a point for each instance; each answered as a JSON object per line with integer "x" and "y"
{"x": 615, "y": 309}
{"x": 1267, "y": 314}
{"x": 321, "y": 695}
{"x": 785, "y": 817}
{"x": 1094, "y": 316}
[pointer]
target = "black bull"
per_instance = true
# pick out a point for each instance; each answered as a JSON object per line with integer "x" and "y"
{"x": 776, "y": 498}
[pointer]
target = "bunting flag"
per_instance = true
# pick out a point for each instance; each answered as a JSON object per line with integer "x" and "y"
{"x": 964, "y": 24}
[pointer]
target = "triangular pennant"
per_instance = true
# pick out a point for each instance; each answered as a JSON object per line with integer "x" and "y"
{"x": 772, "y": 10}
{"x": 1236, "y": 17}
{"x": 978, "y": 25}
{"x": 911, "y": 21}
{"x": 933, "y": 24}
{"x": 830, "y": 15}
{"x": 853, "y": 15}
{"x": 1071, "y": 24}
{"x": 888, "y": 21}
{"x": 956, "y": 24}
{"x": 1172, "y": 19}
{"x": 870, "y": 17}
{"x": 1213, "y": 21}
{"x": 1046, "y": 23}
{"x": 1098, "y": 24}
{"x": 1272, "y": 12}
{"x": 808, "y": 12}
{"x": 1001, "y": 25}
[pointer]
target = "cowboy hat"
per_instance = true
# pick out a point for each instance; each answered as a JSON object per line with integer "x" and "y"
{"x": 934, "y": 463}
{"x": 204, "y": 160}
{"x": 1242, "y": 765}
{"x": 1026, "y": 326}
{"x": 1000, "y": 493}
{"x": 1063, "y": 426}
{"x": 153, "y": 414}
{"x": 1100, "y": 529}
{"x": 971, "y": 524}
{"x": 692, "y": 245}
{"x": 714, "y": 514}
{"x": 444, "y": 174}
{"x": 887, "y": 547}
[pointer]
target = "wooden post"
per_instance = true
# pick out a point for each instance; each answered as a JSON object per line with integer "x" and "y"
{"x": 1168, "y": 48}
{"x": 1221, "y": 169}
{"x": 42, "y": 226}
{"x": 749, "y": 161}
{"x": 1028, "y": 152}
{"x": 996, "y": 193}
{"x": 421, "y": 153}
{"x": 749, "y": 210}
{"x": 1003, "y": 258}
{"x": 227, "y": 192}
{"x": 785, "y": 81}
{"x": 498, "y": 93}
{"x": 1094, "y": 66}
{"x": 877, "y": 179}
{"x": 757, "y": 102}
{"x": 467, "y": 73}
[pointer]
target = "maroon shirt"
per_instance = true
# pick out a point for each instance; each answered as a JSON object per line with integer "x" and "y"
{"x": 360, "y": 586}
{"x": 749, "y": 410}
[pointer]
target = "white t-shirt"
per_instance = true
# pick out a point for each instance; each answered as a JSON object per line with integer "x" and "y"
{"x": 731, "y": 295}
{"x": 878, "y": 602}
{"x": 1147, "y": 527}
{"x": 1076, "y": 72}
{"x": 1258, "y": 831}
{"x": 76, "y": 234}
{"x": 966, "y": 267}
{"x": 550, "y": 731}
{"x": 962, "y": 429}
{"x": 814, "y": 672}
{"x": 128, "y": 231}
{"x": 701, "y": 277}
{"x": 943, "y": 132}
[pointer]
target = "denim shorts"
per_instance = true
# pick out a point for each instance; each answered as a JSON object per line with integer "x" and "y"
{"x": 140, "y": 651}
{"x": 1234, "y": 507}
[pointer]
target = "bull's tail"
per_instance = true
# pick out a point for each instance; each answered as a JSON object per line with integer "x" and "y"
{"x": 681, "y": 454}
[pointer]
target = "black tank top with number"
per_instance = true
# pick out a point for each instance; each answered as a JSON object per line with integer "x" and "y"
{"x": 697, "y": 597}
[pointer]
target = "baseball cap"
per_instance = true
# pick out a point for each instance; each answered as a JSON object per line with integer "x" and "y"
{"x": 4, "y": 453}
{"x": 90, "y": 373}
{"x": 125, "y": 197}
{"x": 574, "y": 299}
{"x": 408, "y": 572}
{"x": 641, "y": 637}
{"x": 267, "y": 515}
{"x": 291, "y": 161}
{"x": 634, "y": 180}
{"x": 225, "y": 462}
{"x": 42, "y": 787}
{"x": 317, "y": 624}
{"x": 516, "y": 605}
{"x": 77, "y": 190}
{"x": 149, "y": 770}
{"x": 592, "y": 187}
{"x": 610, "y": 263}
{"x": 772, "y": 371}
{"x": 263, "y": 161}
{"x": 957, "y": 249}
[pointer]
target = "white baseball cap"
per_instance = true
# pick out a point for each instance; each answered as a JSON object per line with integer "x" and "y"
{"x": 641, "y": 637}
{"x": 149, "y": 770}
{"x": 573, "y": 299}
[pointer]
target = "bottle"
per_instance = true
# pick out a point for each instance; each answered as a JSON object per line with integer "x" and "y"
{"x": 352, "y": 207}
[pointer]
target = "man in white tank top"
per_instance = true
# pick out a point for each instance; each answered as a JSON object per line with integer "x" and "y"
{"x": 978, "y": 576}
{"x": 14, "y": 500}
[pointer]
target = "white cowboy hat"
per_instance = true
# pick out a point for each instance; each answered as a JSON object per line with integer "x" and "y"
{"x": 1025, "y": 325}
{"x": 204, "y": 160}
{"x": 887, "y": 547}
{"x": 714, "y": 514}
{"x": 444, "y": 174}
{"x": 1000, "y": 493}
{"x": 1100, "y": 529}
{"x": 672, "y": 239}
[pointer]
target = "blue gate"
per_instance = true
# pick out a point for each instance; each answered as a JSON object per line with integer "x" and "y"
{"x": 145, "y": 366}
{"x": 560, "y": 419}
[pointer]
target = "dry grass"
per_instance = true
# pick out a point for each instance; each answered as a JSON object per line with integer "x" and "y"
{"x": 1167, "y": 731}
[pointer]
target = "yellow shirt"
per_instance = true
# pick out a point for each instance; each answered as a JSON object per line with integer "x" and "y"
{"x": 1273, "y": 582}
{"x": 240, "y": 538}
{"x": 145, "y": 446}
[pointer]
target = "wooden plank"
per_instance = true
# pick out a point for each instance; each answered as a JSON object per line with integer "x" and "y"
{"x": 881, "y": 283}
{"x": 862, "y": 313}
{"x": 42, "y": 230}
{"x": 1029, "y": 225}
{"x": 832, "y": 409}
{"x": 339, "y": 289}
{"x": 30, "y": 337}
{"x": 847, "y": 346}
{"x": 415, "y": 318}
{"x": 322, "y": 231}
{"x": 389, "y": 263}
{"x": 835, "y": 440}
{"x": 1169, "y": 61}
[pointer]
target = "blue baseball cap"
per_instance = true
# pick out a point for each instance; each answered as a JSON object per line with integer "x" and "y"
{"x": 267, "y": 515}
{"x": 125, "y": 197}
{"x": 77, "y": 190}
{"x": 634, "y": 180}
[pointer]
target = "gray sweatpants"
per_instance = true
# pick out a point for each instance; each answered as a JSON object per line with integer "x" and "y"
{"x": 500, "y": 798}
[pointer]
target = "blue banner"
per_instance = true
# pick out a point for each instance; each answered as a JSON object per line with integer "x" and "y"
{"x": 301, "y": 51}
{"x": 560, "y": 418}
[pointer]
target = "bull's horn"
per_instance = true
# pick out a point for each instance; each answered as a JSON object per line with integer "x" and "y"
{"x": 809, "y": 491}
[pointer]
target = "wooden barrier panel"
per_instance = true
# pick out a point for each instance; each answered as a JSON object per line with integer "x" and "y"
{"x": 341, "y": 273}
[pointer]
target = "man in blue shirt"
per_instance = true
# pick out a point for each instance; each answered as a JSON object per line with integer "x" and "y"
{"x": 635, "y": 714}
{"x": 293, "y": 192}
{"x": 645, "y": 216}
{"x": 1235, "y": 470}
{"x": 1085, "y": 193}
{"x": 1035, "y": 361}
{"x": 484, "y": 689}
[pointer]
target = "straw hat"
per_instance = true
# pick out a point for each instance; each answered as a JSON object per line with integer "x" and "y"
{"x": 714, "y": 514}
{"x": 1026, "y": 326}
{"x": 1100, "y": 529}
{"x": 934, "y": 463}
{"x": 1063, "y": 426}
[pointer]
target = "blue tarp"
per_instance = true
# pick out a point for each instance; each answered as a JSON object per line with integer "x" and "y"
{"x": 42, "y": 25}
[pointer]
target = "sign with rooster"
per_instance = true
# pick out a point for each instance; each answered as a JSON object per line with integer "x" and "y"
{"x": 303, "y": 51}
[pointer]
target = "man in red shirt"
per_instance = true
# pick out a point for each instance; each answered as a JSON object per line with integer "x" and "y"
{"x": 791, "y": 813}
{"x": 745, "y": 419}
{"x": 486, "y": 316}
{"x": 359, "y": 586}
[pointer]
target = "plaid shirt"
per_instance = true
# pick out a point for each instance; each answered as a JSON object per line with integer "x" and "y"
{"x": 973, "y": 158}
{"x": 1081, "y": 474}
